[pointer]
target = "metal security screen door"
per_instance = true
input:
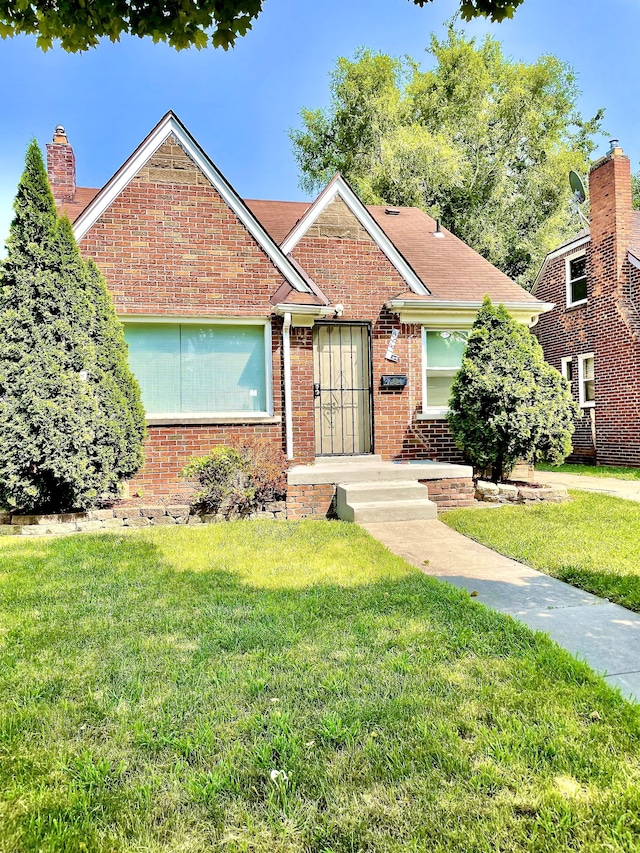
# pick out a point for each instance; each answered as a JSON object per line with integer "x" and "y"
{"x": 342, "y": 389}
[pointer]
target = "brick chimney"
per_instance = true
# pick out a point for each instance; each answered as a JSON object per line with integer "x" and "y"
{"x": 61, "y": 166}
{"x": 611, "y": 212}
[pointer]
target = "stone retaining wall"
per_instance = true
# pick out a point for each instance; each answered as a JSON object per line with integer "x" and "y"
{"x": 504, "y": 493}
{"x": 117, "y": 517}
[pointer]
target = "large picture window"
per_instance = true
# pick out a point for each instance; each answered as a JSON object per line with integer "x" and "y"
{"x": 194, "y": 369}
{"x": 442, "y": 357}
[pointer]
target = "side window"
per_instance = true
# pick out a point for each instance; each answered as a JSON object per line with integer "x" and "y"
{"x": 566, "y": 368}
{"x": 576, "y": 272}
{"x": 586, "y": 380}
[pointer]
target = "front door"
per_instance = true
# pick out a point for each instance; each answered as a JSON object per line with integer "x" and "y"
{"x": 342, "y": 389}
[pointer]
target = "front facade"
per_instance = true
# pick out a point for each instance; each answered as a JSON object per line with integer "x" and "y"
{"x": 592, "y": 335}
{"x": 331, "y": 328}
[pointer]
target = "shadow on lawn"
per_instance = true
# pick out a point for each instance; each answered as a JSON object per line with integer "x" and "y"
{"x": 148, "y": 704}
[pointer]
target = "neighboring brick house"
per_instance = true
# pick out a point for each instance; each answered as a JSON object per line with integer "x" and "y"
{"x": 593, "y": 333}
{"x": 279, "y": 319}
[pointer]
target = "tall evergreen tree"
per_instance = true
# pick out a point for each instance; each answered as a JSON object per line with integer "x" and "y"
{"x": 55, "y": 453}
{"x": 123, "y": 424}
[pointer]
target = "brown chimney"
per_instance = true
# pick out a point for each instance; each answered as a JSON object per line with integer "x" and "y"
{"x": 61, "y": 166}
{"x": 611, "y": 212}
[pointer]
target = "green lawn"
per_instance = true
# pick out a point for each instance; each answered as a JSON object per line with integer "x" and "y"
{"x": 290, "y": 688}
{"x": 592, "y": 542}
{"x": 592, "y": 470}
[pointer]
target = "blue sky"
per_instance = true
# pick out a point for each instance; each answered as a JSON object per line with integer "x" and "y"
{"x": 239, "y": 105}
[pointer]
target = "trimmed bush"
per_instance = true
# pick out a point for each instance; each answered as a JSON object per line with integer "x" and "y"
{"x": 506, "y": 401}
{"x": 239, "y": 478}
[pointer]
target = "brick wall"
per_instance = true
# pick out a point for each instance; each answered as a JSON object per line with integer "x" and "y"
{"x": 351, "y": 270}
{"x": 449, "y": 494}
{"x": 169, "y": 245}
{"x": 607, "y": 325}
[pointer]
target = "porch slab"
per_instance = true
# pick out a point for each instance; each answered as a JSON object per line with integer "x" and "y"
{"x": 368, "y": 469}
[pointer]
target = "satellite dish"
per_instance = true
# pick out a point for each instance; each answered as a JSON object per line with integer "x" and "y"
{"x": 575, "y": 182}
{"x": 579, "y": 195}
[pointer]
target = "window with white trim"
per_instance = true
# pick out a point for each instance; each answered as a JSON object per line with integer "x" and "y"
{"x": 201, "y": 369}
{"x": 566, "y": 368}
{"x": 586, "y": 380}
{"x": 442, "y": 356}
{"x": 576, "y": 275}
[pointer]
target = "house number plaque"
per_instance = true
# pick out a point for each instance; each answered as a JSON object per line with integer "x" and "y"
{"x": 390, "y": 356}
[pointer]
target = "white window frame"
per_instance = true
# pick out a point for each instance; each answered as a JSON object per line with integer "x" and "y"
{"x": 214, "y": 417}
{"x": 433, "y": 412}
{"x": 585, "y": 404}
{"x": 564, "y": 364}
{"x": 567, "y": 275}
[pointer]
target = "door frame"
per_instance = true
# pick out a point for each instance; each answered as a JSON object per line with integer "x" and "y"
{"x": 369, "y": 328}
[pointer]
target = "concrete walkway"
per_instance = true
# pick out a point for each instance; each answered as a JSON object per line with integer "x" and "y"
{"x": 628, "y": 489}
{"x": 605, "y": 635}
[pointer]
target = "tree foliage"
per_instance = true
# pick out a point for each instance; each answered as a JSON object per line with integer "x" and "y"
{"x": 506, "y": 401}
{"x": 480, "y": 141}
{"x": 80, "y": 24}
{"x": 68, "y": 428}
{"x": 635, "y": 190}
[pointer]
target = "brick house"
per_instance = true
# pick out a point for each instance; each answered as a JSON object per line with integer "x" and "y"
{"x": 332, "y": 328}
{"x": 592, "y": 335}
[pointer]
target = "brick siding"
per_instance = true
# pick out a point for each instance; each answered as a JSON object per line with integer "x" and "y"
{"x": 607, "y": 325}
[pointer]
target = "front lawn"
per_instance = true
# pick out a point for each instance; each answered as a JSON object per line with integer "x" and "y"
{"x": 592, "y": 470}
{"x": 592, "y": 542}
{"x": 290, "y": 688}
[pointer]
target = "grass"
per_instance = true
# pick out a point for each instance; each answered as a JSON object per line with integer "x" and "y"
{"x": 592, "y": 542}
{"x": 295, "y": 688}
{"x": 592, "y": 470}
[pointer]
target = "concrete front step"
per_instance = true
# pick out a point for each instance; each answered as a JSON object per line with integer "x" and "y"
{"x": 368, "y": 469}
{"x": 381, "y": 490}
{"x": 367, "y": 503}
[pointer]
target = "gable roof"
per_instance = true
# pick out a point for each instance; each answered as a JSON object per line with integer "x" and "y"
{"x": 337, "y": 186}
{"x": 449, "y": 268}
{"x": 582, "y": 238}
{"x": 170, "y": 125}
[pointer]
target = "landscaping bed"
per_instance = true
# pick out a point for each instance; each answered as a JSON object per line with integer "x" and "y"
{"x": 592, "y": 542}
{"x": 290, "y": 687}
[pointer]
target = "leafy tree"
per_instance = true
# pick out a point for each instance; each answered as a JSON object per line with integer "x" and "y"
{"x": 480, "y": 141}
{"x": 635, "y": 190}
{"x": 79, "y": 24}
{"x": 54, "y": 449}
{"x": 506, "y": 401}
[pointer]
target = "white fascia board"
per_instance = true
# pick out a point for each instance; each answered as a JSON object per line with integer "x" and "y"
{"x": 338, "y": 186}
{"x": 303, "y": 315}
{"x": 633, "y": 260}
{"x": 171, "y": 125}
{"x": 557, "y": 253}
{"x": 448, "y": 314}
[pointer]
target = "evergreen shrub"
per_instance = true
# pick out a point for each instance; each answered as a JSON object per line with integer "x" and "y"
{"x": 506, "y": 401}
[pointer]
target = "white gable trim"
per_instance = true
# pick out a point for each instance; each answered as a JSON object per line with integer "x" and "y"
{"x": 171, "y": 125}
{"x": 339, "y": 187}
{"x": 557, "y": 253}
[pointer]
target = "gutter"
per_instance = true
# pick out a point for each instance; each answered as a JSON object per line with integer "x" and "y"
{"x": 286, "y": 359}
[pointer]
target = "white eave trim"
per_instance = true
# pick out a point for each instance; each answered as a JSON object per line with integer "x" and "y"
{"x": 169, "y": 125}
{"x": 303, "y": 315}
{"x": 338, "y": 186}
{"x": 633, "y": 260}
{"x": 450, "y": 314}
{"x": 558, "y": 253}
